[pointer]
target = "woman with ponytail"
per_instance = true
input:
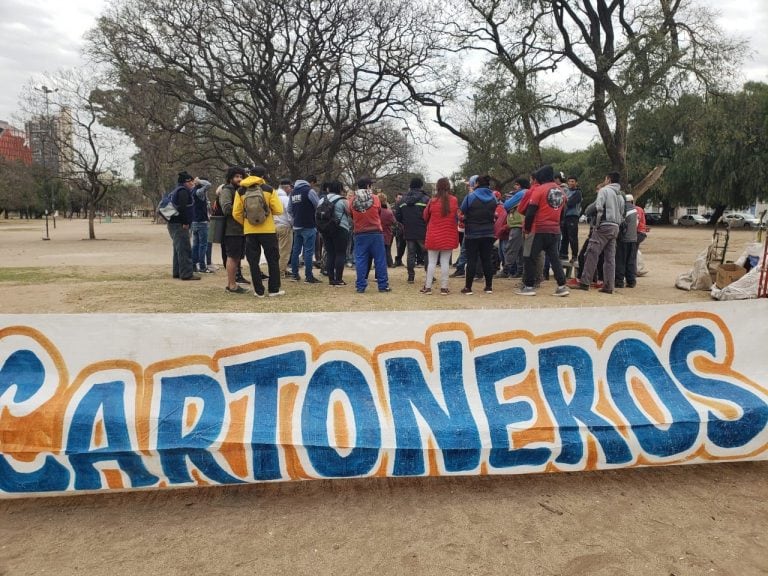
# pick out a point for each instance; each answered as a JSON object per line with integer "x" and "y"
{"x": 442, "y": 238}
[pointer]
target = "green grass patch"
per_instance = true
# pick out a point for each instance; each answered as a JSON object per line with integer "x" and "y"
{"x": 70, "y": 274}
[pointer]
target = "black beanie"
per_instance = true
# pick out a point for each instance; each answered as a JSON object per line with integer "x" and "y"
{"x": 545, "y": 174}
{"x": 258, "y": 171}
{"x": 184, "y": 176}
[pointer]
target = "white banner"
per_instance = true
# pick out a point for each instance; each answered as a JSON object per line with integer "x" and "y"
{"x": 102, "y": 402}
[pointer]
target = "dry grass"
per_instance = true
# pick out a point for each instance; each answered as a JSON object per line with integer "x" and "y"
{"x": 131, "y": 273}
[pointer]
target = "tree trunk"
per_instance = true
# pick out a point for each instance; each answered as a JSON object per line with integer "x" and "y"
{"x": 91, "y": 218}
{"x": 719, "y": 210}
{"x": 648, "y": 182}
{"x": 666, "y": 209}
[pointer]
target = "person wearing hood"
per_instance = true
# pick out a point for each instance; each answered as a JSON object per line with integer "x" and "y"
{"x": 260, "y": 236}
{"x": 304, "y": 201}
{"x": 542, "y": 220}
{"x": 479, "y": 210}
{"x": 514, "y": 250}
{"x": 608, "y": 211}
{"x": 410, "y": 213}
{"x": 284, "y": 226}
{"x": 365, "y": 208}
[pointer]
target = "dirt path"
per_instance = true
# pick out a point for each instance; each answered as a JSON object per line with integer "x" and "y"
{"x": 679, "y": 520}
{"x": 668, "y": 521}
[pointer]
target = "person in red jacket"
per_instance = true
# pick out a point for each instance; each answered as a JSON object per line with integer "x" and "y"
{"x": 387, "y": 220}
{"x": 542, "y": 219}
{"x": 442, "y": 238}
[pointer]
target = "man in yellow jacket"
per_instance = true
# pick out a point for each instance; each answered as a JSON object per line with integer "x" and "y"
{"x": 260, "y": 236}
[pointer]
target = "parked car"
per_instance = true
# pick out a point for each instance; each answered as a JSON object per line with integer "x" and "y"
{"x": 741, "y": 220}
{"x": 691, "y": 220}
{"x": 653, "y": 218}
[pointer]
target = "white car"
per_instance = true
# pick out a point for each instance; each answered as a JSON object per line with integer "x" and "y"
{"x": 692, "y": 220}
{"x": 741, "y": 220}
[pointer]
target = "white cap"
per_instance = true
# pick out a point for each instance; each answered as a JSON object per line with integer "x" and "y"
{"x": 629, "y": 198}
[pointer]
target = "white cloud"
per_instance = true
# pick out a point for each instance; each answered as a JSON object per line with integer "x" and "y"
{"x": 38, "y": 36}
{"x": 747, "y": 19}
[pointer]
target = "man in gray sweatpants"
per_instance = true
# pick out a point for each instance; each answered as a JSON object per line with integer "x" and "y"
{"x": 608, "y": 210}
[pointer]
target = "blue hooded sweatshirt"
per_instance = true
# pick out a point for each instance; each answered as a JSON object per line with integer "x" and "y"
{"x": 479, "y": 209}
{"x": 302, "y": 206}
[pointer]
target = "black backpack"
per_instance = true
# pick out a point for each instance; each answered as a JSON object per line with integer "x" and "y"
{"x": 325, "y": 216}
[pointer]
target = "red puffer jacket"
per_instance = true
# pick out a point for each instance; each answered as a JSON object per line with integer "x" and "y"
{"x": 442, "y": 233}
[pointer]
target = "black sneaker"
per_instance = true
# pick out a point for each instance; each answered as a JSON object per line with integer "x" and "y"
{"x": 458, "y": 274}
{"x": 296, "y": 278}
{"x": 241, "y": 280}
{"x": 386, "y": 289}
{"x": 312, "y": 280}
{"x": 238, "y": 290}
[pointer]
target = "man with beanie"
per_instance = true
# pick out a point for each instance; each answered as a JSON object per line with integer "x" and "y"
{"x": 410, "y": 213}
{"x": 542, "y": 219}
{"x": 303, "y": 202}
{"x": 260, "y": 235}
{"x": 233, "y": 231}
{"x": 608, "y": 211}
{"x": 178, "y": 227}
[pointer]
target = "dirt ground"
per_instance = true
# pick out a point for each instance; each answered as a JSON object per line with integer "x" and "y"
{"x": 678, "y": 521}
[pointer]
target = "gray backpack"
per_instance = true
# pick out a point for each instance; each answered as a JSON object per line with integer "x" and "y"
{"x": 255, "y": 205}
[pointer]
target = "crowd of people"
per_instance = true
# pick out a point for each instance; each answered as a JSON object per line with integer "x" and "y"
{"x": 526, "y": 234}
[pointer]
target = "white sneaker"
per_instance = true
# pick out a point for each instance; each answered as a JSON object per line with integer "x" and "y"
{"x": 278, "y": 293}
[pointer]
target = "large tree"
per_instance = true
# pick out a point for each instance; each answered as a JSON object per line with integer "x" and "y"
{"x": 516, "y": 104}
{"x": 164, "y": 133}
{"x": 633, "y": 51}
{"x": 90, "y": 155}
{"x": 18, "y": 188}
{"x": 715, "y": 148}
{"x": 285, "y": 83}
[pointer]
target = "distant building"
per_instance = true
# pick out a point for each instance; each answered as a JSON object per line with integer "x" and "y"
{"x": 50, "y": 139}
{"x": 13, "y": 144}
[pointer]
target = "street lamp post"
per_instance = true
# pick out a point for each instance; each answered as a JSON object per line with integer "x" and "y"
{"x": 406, "y": 131}
{"x": 44, "y": 133}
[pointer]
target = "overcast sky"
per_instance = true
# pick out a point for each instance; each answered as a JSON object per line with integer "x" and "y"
{"x": 38, "y": 36}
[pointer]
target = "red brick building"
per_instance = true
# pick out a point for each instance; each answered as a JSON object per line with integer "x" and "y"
{"x": 13, "y": 144}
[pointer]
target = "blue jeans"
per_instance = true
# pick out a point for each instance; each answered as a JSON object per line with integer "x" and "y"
{"x": 461, "y": 263}
{"x": 303, "y": 239}
{"x": 370, "y": 245}
{"x": 199, "y": 245}
{"x": 182, "y": 251}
